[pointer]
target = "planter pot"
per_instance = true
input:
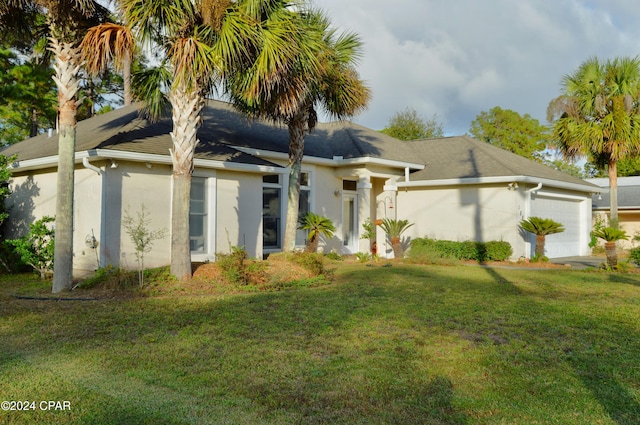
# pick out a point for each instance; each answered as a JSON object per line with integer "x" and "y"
{"x": 612, "y": 255}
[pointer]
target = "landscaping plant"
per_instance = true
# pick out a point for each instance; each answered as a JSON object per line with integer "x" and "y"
{"x": 141, "y": 236}
{"x": 394, "y": 229}
{"x": 610, "y": 235}
{"x": 316, "y": 225}
{"x": 36, "y": 248}
{"x": 541, "y": 227}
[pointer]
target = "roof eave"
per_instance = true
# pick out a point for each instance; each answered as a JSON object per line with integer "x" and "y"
{"x": 52, "y": 161}
{"x": 588, "y": 188}
{"x": 336, "y": 161}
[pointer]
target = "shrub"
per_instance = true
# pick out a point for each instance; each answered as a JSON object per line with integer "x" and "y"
{"x": 467, "y": 250}
{"x": 311, "y": 261}
{"x": 498, "y": 250}
{"x": 233, "y": 266}
{"x": 36, "y": 248}
{"x": 334, "y": 256}
{"x": 363, "y": 257}
{"x": 634, "y": 255}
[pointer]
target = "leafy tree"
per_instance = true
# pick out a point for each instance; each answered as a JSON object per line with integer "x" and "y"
{"x": 67, "y": 20}
{"x": 317, "y": 226}
{"x": 541, "y": 227}
{"x": 409, "y": 125}
{"x": 507, "y": 129}
{"x": 141, "y": 236}
{"x": 323, "y": 75}
{"x": 566, "y": 166}
{"x": 598, "y": 116}
{"x": 37, "y": 247}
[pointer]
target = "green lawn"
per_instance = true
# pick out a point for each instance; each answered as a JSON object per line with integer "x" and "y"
{"x": 380, "y": 345}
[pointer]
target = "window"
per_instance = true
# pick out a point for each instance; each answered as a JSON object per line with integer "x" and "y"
{"x": 271, "y": 214}
{"x": 304, "y": 205}
{"x": 198, "y": 215}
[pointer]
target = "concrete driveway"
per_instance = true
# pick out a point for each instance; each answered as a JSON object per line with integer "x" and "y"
{"x": 580, "y": 263}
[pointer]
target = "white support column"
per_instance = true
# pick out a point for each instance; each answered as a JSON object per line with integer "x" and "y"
{"x": 364, "y": 209}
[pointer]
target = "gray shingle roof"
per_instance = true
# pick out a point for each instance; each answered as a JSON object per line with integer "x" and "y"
{"x": 465, "y": 157}
{"x": 222, "y": 129}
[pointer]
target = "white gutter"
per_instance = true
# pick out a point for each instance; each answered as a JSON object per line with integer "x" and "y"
{"x": 335, "y": 161}
{"x": 505, "y": 179}
{"x": 87, "y": 164}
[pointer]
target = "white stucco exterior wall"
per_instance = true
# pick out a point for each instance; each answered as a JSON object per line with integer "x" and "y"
{"x": 471, "y": 212}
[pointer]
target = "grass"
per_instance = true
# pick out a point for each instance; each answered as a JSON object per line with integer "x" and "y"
{"x": 381, "y": 345}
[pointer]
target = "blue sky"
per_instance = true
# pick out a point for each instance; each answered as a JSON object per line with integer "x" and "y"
{"x": 457, "y": 58}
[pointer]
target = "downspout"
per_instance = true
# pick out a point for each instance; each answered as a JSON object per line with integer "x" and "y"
{"x": 527, "y": 201}
{"x": 100, "y": 247}
{"x": 87, "y": 165}
{"x": 535, "y": 189}
{"x": 406, "y": 174}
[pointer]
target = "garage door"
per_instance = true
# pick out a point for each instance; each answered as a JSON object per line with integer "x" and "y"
{"x": 566, "y": 212}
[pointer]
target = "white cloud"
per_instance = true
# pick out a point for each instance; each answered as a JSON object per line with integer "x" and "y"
{"x": 461, "y": 57}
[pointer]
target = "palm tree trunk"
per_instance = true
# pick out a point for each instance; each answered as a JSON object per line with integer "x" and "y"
{"x": 540, "y": 242}
{"x": 297, "y": 127}
{"x": 611, "y": 253}
{"x": 613, "y": 192}
{"x": 67, "y": 58}
{"x": 186, "y": 109}
{"x": 126, "y": 77}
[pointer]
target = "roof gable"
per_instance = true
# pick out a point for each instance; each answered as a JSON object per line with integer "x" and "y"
{"x": 463, "y": 157}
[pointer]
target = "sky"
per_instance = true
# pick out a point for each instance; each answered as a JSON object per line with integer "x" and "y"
{"x": 457, "y": 58}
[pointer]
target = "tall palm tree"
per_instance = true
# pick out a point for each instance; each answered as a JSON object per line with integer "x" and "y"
{"x": 324, "y": 75}
{"x": 203, "y": 41}
{"x": 110, "y": 43}
{"x": 67, "y": 20}
{"x": 599, "y": 115}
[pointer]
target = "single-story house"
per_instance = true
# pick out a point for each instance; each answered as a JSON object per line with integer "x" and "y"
{"x": 454, "y": 188}
{"x": 628, "y": 205}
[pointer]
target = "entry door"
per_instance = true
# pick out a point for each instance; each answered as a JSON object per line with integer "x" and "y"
{"x": 350, "y": 221}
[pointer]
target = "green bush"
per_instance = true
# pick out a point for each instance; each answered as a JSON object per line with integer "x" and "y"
{"x": 310, "y": 261}
{"x": 467, "y": 250}
{"x": 634, "y": 255}
{"x": 498, "y": 250}
{"x": 233, "y": 266}
{"x": 334, "y": 256}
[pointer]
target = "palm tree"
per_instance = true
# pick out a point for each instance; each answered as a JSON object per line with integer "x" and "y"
{"x": 317, "y": 225}
{"x": 324, "y": 75}
{"x": 610, "y": 235}
{"x": 204, "y": 41}
{"x": 67, "y": 21}
{"x": 541, "y": 227}
{"x": 394, "y": 229}
{"x": 110, "y": 43}
{"x": 599, "y": 115}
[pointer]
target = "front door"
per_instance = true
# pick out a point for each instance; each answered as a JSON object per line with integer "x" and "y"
{"x": 350, "y": 222}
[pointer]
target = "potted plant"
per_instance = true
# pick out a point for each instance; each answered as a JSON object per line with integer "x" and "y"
{"x": 394, "y": 229}
{"x": 316, "y": 225}
{"x": 541, "y": 227}
{"x": 610, "y": 235}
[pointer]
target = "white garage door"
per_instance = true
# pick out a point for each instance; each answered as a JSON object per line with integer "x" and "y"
{"x": 566, "y": 212}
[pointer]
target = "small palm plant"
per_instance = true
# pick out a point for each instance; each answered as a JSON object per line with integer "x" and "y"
{"x": 316, "y": 225}
{"x": 541, "y": 227}
{"x": 394, "y": 230}
{"x": 610, "y": 235}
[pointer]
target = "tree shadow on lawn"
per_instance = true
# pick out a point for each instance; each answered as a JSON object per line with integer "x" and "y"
{"x": 598, "y": 372}
{"x": 291, "y": 351}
